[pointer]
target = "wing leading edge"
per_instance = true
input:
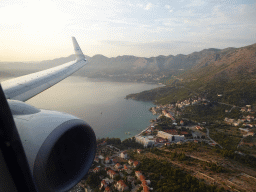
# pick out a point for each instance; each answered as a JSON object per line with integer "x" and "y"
{"x": 27, "y": 86}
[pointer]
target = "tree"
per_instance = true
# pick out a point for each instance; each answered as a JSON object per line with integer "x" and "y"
{"x": 117, "y": 178}
{"x": 140, "y": 189}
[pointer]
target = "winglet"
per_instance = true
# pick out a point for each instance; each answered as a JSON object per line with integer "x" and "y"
{"x": 78, "y": 52}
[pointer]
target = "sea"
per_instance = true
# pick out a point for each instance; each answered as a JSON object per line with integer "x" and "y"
{"x": 101, "y": 104}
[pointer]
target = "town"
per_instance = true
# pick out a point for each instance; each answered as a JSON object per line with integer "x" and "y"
{"x": 183, "y": 142}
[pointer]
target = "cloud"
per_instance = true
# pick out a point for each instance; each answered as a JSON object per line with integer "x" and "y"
{"x": 148, "y": 6}
{"x": 156, "y": 48}
{"x": 118, "y": 43}
{"x": 156, "y": 44}
{"x": 139, "y": 5}
{"x": 196, "y": 3}
{"x": 167, "y": 6}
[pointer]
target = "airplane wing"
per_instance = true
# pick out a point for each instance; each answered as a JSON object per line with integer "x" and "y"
{"x": 27, "y": 86}
{"x": 51, "y": 150}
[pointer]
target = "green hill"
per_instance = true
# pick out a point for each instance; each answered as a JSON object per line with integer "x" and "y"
{"x": 230, "y": 73}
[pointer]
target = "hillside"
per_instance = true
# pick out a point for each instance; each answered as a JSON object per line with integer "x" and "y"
{"x": 121, "y": 68}
{"x": 229, "y": 72}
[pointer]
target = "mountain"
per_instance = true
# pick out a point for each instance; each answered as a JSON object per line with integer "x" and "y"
{"x": 207, "y": 63}
{"x": 228, "y": 63}
{"x": 230, "y": 72}
{"x": 123, "y": 64}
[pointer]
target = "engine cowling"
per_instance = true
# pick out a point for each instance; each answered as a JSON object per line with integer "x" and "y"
{"x": 60, "y": 147}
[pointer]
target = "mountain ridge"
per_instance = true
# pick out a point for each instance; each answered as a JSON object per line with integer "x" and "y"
{"x": 229, "y": 72}
{"x": 128, "y": 66}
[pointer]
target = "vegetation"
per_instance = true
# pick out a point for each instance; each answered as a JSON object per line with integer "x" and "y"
{"x": 210, "y": 112}
{"x": 173, "y": 155}
{"x": 238, "y": 91}
{"x": 214, "y": 167}
{"x": 250, "y": 139}
{"x": 244, "y": 159}
{"x": 165, "y": 178}
{"x": 182, "y": 157}
{"x": 125, "y": 144}
{"x": 93, "y": 180}
{"x": 227, "y": 141}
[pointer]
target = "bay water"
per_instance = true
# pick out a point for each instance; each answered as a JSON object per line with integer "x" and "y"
{"x": 101, "y": 104}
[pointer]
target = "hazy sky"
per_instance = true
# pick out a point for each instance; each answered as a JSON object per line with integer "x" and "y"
{"x": 32, "y": 30}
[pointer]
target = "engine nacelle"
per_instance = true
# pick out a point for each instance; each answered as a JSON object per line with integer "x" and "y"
{"x": 60, "y": 148}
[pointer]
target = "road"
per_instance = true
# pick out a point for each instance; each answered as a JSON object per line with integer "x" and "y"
{"x": 212, "y": 139}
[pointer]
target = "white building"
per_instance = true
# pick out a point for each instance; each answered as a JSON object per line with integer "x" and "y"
{"x": 145, "y": 141}
{"x": 124, "y": 155}
{"x": 170, "y": 137}
{"x": 164, "y": 135}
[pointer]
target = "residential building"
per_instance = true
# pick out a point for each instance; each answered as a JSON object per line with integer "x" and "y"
{"x": 96, "y": 159}
{"x": 139, "y": 151}
{"x": 145, "y": 188}
{"x": 135, "y": 163}
{"x": 107, "y": 189}
{"x": 107, "y": 160}
{"x": 96, "y": 170}
{"x": 121, "y": 186}
{"x": 124, "y": 155}
{"x": 125, "y": 167}
{"x": 118, "y": 166}
{"x": 111, "y": 173}
{"x": 103, "y": 184}
{"x": 137, "y": 174}
{"x": 130, "y": 161}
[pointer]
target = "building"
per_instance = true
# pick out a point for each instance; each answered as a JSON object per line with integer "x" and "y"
{"x": 130, "y": 161}
{"x": 135, "y": 163}
{"x": 139, "y": 151}
{"x": 118, "y": 166}
{"x": 125, "y": 167}
{"x": 170, "y": 137}
{"x": 103, "y": 184}
{"x": 244, "y": 129}
{"x": 107, "y": 160}
{"x": 111, "y": 173}
{"x": 199, "y": 128}
{"x": 96, "y": 170}
{"x": 124, "y": 155}
{"x": 168, "y": 115}
{"x": 165, "y": 135}
{"x": 145, "y": 141}
{"x": 121, "y": 186}
{"x": 250, "y": 133}
{"x": 142, "y": 178}
{"x": 96, "y": 159}
{"x": 137, "y": 174}
{"x": 145, "y": 188}
{"x": 107, "y": 189}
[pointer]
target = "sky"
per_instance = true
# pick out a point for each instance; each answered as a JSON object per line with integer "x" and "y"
{"x": 34, "y": 30}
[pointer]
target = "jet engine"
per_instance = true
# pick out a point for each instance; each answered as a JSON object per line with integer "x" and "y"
{"x": 59, "y": 147}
